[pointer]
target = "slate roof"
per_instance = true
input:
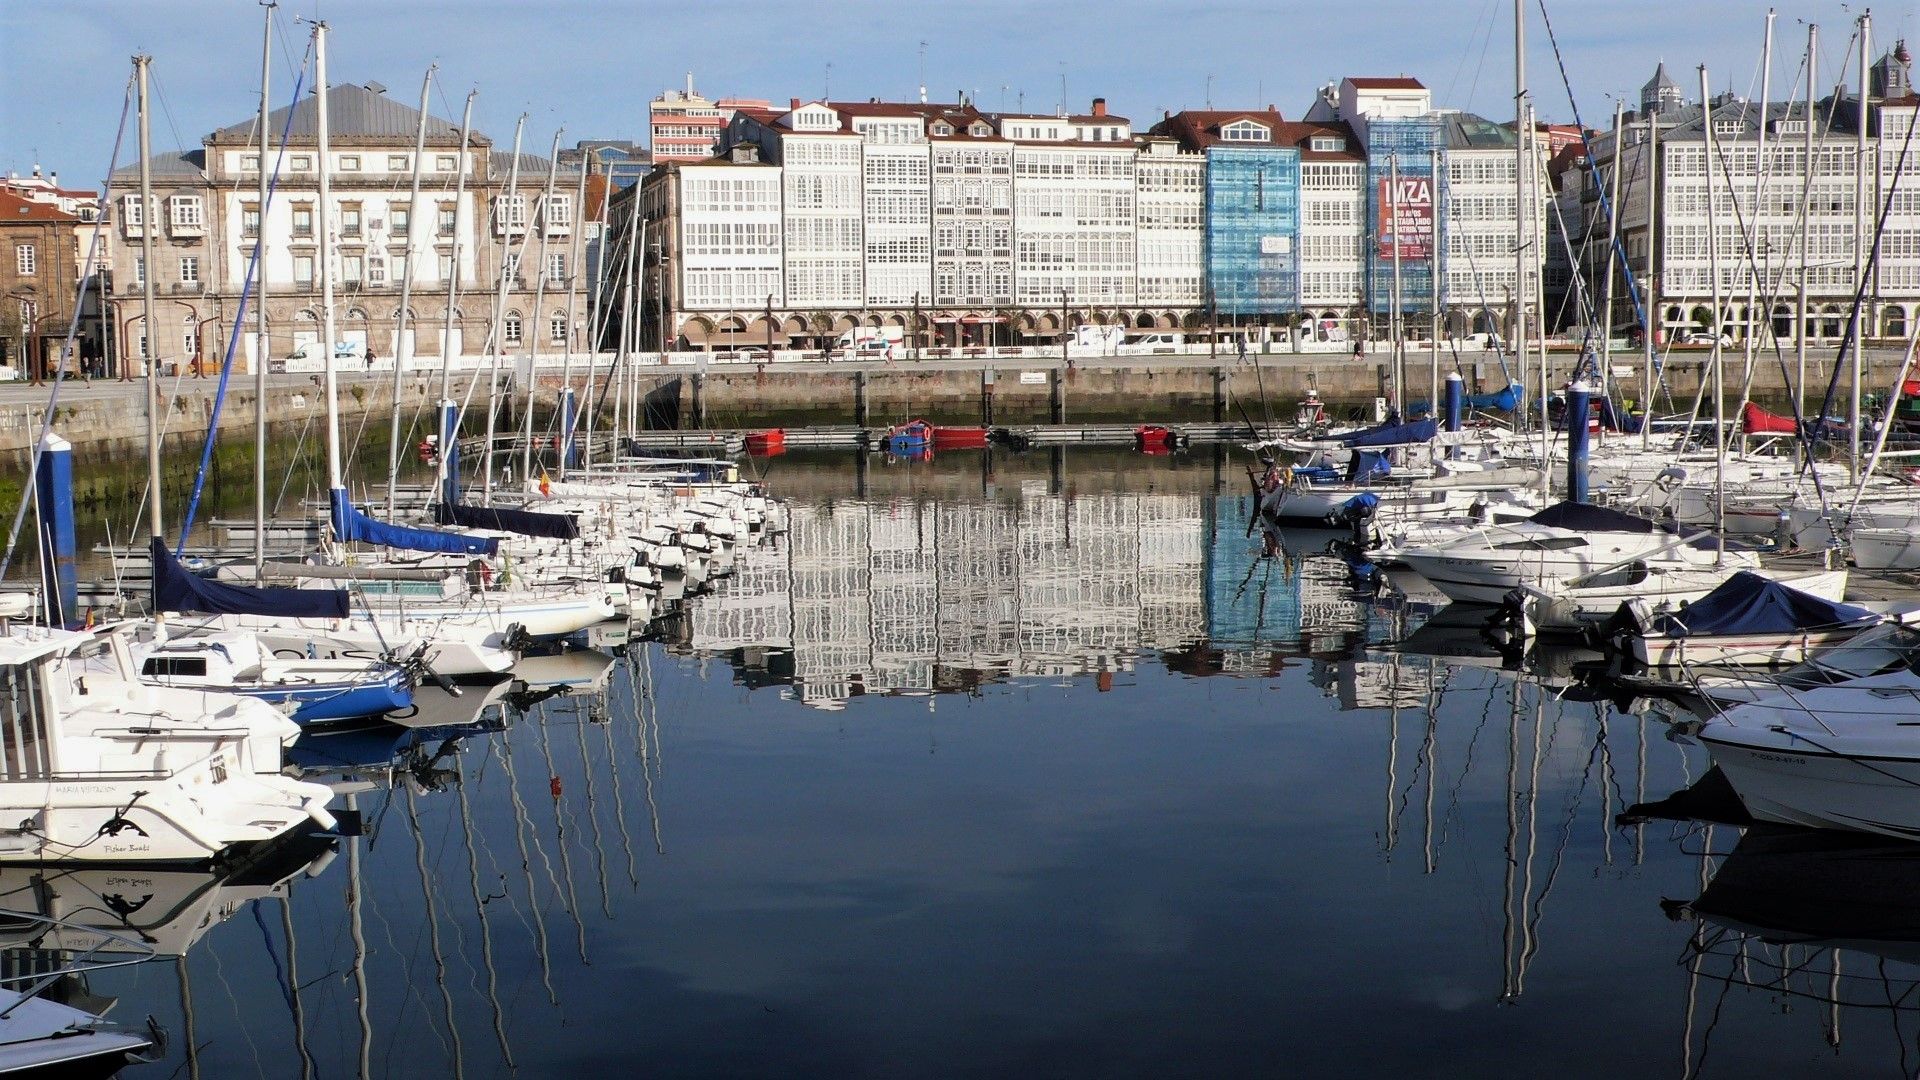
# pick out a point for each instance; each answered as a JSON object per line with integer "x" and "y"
{"x": 169, "y": 164}
{"x": 352, "y": 112}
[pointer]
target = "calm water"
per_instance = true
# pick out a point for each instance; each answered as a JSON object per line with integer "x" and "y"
{"x": 1025, "y": 769}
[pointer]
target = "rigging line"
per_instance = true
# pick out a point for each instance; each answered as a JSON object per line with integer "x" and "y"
{"x": 66, "y": 352}
{"x": 1460, "y": 68}
{"x": 254, "y": 279}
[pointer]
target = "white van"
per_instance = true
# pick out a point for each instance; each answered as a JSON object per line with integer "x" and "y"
{"x": 874, "y": 341}
{"x": 1155, "y": 342}
{"x": 343, "y": 351}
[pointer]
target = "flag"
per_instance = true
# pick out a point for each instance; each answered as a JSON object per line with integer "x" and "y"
{"x": 546, "y": 486}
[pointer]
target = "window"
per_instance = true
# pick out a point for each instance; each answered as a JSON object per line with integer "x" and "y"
{"x": 303, "y": 269}
{"x": 349, "y": 162}
{"x": 352, "y": 269}
{"x": 139, "y": 269}
{"x": 557, "y": 328}
{"x": 557, "y": 266}
{"x": 303, "y": 219}
{"x": 350, "y": 219}
{"x": 398, "y": 219}
{"x": 250, "y": 219}
{"x": 376, "y": 271}
{"x": 513, "y": 212}
{"x": 193, "y": 667}
{"x": 189, "y": 336}
{"x": 25, "y": 258}
{"x": 447, "y": 162}
{"x": 446, "y": 218}
{"x": 302, "y": 162}
{"x": 186, "y": 212}
{"x": 130, "y": 212}
{"x": 399, "y": 163}
{"x": 446, "y": 267}
{"x": 510, "y": 266}
{"x": 189, "y": 269}
{"x": 512, "y": 328}
{"x": 1328, "y": 144}
{"x": 559, "y": 212}
{"x": 250, "y": 163}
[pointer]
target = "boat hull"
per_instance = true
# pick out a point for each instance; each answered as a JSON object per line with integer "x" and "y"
{"x": 1823, "y": 791}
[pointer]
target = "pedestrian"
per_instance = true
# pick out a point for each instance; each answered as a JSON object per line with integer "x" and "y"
{"x": 1241, "y": 345}
{"x": 1359, "y": 350}
{"x": 370, "y": 358}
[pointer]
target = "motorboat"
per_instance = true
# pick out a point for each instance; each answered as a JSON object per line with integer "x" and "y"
{"x": 313, "y": 690}
{"x": 1651, "y": 589}
{"x": 1750, "y": 619}
{"x": 1564, "y": 541}
{"x": 105, "y": 768}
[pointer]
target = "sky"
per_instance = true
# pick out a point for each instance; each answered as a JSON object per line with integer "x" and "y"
{"x": 590, "y": 66}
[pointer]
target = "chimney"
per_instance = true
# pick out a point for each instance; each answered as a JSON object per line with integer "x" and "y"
{"x": 378, "y": 88}
{"x": 792, "y": 104}
{"x": 1099, "y": 106}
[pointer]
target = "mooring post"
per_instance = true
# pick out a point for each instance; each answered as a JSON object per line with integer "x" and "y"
{"x": 986, "y": 397}
{"x": 1057, "y": 397}
{"x": 699, "y": 399}
{"x": 53, "y": 489}
{"x": 1219, "y": 395}
{"x": 860, "y": 410}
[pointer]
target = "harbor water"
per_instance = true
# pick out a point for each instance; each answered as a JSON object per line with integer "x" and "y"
{"x": 1023, "y": 765}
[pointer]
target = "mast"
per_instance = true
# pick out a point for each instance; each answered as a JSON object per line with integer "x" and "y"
{"x": 1652, "y": 317}
{"x": 400, "y": 339}
{"x": 1433, "y": 171}
{"x": 1394, "y": 326}
{"x": 1806, "y": 201}
{"x": 574, "y": 274}
{"x": 1859, "y": 244}
{"x": 325, "y": 225}
{"x": 597, "y": 314}
{"x": 1755, "y": 232}
{"x": 496, "y": 337}
{"x": 261, "y": 348}
{"x": 1719, "y": 356}
{"x": 449, "y": 423}
{"x": 539, "y": 294}
{"x": 1613, "y": 245}
{"x": 147, "y": 226}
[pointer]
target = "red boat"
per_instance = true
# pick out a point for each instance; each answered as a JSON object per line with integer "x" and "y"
{"x": 1157, "y": 439}
{"x": 767, "y": 443}
{"x": 959, "y": 438}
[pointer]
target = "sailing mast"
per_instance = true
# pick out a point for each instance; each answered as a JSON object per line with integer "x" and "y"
{"x": 147, "y": 225}
{"x": 1394, "y": 324}
{"x": 336, "y": 489}
{"x": 539, "y": 294}
{"x": 1523, "y": 237}
{"x": 449, "y": 414}
{"x": 1806, "y": 202}
{"x": 1859, "y": 244}
{"x": 1718, "y": 359}
{"x": 403, "y": 328}
{"x": 1651, "y": 320}
{"x": 496, "y": 337}
{"x": 577, "y": 222}
{"x": 261, "y": 348}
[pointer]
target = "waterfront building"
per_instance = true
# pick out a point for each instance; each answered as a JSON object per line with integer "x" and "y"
{"x": 1170, "y": 219}
{"x": 684, "y": 126}
{"x": 46, "y": 237}
{"x": 711, "y": 251}
{"x": 1073, "y": 217}
{"x": 206, "y": 216}
{"x": 623, "y": 161}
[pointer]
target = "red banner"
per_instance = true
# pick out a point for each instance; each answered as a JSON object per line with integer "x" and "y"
{"x": 1406, "y": 217}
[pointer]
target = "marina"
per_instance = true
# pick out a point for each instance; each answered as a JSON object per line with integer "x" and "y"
{"x": 970, "y": 592}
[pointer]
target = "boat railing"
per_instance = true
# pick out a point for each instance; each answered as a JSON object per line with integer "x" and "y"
{"x": 85, "y": 962}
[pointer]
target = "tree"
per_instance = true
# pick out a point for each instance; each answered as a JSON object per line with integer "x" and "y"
{"x": 822, "y": 324}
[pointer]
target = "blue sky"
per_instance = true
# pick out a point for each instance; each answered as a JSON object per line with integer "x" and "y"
{"x": 591, "y": 65}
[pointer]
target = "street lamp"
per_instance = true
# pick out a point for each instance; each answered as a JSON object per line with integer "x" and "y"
{"x": 913, "y": 328}
{"x": 1066, "y": 335}
{"x": 769, "y": 326}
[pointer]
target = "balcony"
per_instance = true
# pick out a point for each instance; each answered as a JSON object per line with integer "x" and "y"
{"x": 187, "y": 287}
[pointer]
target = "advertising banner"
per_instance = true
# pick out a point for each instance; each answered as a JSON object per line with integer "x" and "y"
{"x": 1406, "y": 217}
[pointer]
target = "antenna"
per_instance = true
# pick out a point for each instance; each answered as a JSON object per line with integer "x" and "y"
{"x": 1063, "y": 88}
{"x": 923, "y": 73}
{"x": 1209, "y": 94}
{"x": 827, "y": 91}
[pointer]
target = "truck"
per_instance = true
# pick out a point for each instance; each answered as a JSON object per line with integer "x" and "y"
{"x": 1104, "y": 339}
{"x": 882, "y": 341}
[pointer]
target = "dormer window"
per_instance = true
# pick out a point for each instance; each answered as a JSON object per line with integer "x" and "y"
{"x": 1327, "y": 144}
{"x": 1728, "y": 129}
{"x": 980, "y": 131}
{"x": 941, "y": 127}
{"x": 1244, "y": 131}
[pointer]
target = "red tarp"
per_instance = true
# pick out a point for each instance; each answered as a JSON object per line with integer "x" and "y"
{"x": 1755, "y": 420}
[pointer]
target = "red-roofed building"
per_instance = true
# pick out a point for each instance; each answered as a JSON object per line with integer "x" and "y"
{"x": 40, "y": 259}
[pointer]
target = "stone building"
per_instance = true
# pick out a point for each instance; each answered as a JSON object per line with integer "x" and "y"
{"x": 206, "y": 217}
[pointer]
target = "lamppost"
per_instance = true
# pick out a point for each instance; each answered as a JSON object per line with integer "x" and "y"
{"x": 1213, "y": 325}
{"x": 913, "y": 328}
{"x": 769, "y": 326}
{"x": 1066, "y": 334}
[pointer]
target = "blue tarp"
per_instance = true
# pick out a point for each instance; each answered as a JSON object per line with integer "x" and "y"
{"x": 351, "y": 524}
{"x": 1365, "y": 466}
{"x": 174, "y": 589}
{"x": 523, "y": 522}
{"x": 1392, "y": 434}
{"x": 1585, "y": 517}
{"x": 1748, "y": 603}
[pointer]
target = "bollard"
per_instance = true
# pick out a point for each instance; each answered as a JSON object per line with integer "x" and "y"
{"x": 1057, "y": 398}
{"x": 450, "y": 451}
{"x": 699, "y": 400}
{"x": 569, "y": 455}
{"x": 1456, "y": 398}
{"x": 1219, "y": 395}
{"x": 860, "y": 410}
{"x": 986, "y": 397}
{"x": 53, "y": 492}
{"x": 1579, "y": 395}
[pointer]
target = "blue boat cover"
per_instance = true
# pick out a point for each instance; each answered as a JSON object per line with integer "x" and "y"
{"x": 522, "y": 522}
{"x": 351, "y": 524}
{"x": 1392, "y": 434}
{"x": 1364, "y": 467}
{"x": 175, "y": 589}
{"x": 1498, "y": 400}
{"x": 1748, "y": 603}
{"x": 1586, "y": 517}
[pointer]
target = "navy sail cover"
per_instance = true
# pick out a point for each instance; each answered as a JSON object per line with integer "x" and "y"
{"x": 1748, "y": 603}
{"x": 1393, "y": 434}
{"x": 176, "y": 589}
{"x": 350, "y": 524}
{"x": 1586, "y": 517}
{"x": 520, "y": 522}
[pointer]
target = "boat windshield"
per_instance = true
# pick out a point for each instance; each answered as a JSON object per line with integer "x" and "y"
{"x": 1885, "y": 648}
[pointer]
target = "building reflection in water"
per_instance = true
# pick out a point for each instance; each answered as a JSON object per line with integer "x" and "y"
{"x": 915, "y": 597}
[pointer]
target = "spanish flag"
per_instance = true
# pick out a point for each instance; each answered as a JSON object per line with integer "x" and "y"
{"x": 546, "y": 486}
